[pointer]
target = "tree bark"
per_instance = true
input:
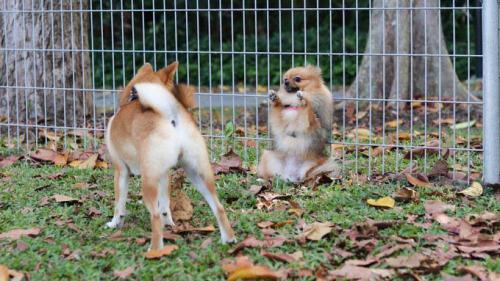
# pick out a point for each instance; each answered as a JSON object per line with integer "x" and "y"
{"x": 422, "y": 61}
{"x": 44, "y": 73}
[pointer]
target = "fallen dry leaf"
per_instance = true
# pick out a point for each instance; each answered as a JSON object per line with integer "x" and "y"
{"x": 484, "y": 219}
{"x": 447, "y": 277}
{"x": 59, "y": 198}
{"x": 459, "y": 176}
{"x": 50, "y": 135}
{"x": 412, "y": 261}
{"x": 61, "y": 159}
{"x": 253, "y": 242}
{"x": 418, "y": 182}
{"x": 265, "y": 224}
{"x": 205, "y": 243}
{"x": 360, "y": 273}
{"x": 360, "y": 133}
{"x": 337, "y": 146}
{"x": 404, "y": 136}
{"x": 384, "y": 202}
{"x": 447, "y": 121}
{"x": 405, "y": 194}
{"x": 103, "y": 253}
{"x": 475, "y": 190}
{"x": 231, "y": 162}
{"x": 427, "y": 260}
{"x": 21, "y": 246}
{"x": 341, "y": 253}
{"x": 9, "y": 160}
{"x": 230, "y": 266}
{"x": 243, "y": 269}
{"x": 316, "y": 230}
{"x": 101, "y": 165}
{"x": 394, "y": 123}
{"x": 361, "y": 114}
{"x": 156, "y": 254}
{"x": 437, "y": 207}
{"x": 366, "y": 262}
{"x": 88, "y": 163}
{"x": 477, "y": 270}
{"x": 205, "y": 229}
{"x": 440, "y": 168}
{"x": 283, "y": 256}
{"x": 18, "y": 233}
{"x": 389, "y": 250}
{"x": 123, "y": 274}
{"x": 463, "y": 125}
{"x": 255, "y": 189}
{"x": 43, "y": 154}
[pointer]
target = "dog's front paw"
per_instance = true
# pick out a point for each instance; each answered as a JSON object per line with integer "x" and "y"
{"x": 157, "y": 247}
{"x": 273, "y": 96}
{"x": 229, "y": 240}
{"x": 116, "y": 222}
{"x": 167, "y": 219}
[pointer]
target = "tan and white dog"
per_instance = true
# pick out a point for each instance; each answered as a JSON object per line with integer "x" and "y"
{"x": 300, "y": 121}
{"x": 152, "y": 132}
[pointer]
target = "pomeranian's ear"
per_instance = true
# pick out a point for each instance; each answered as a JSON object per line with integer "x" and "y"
{"x": 313, "y": 69}
{"x": 145, "y": 69}
{"x": 167, "y": 73}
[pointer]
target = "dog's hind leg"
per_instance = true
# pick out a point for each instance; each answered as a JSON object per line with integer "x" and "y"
{"x": 150, "y": 194}
{"x": 271, "y": 164}
{"x": 164, "y": 201}
{"x": 121, "y": 192}
{"x": 206, "y": 186}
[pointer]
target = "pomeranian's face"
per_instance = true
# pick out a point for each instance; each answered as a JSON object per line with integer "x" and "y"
{"x": 302, "y": 78}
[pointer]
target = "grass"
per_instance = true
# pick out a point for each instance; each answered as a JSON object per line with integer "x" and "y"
{"x": 341, "y": 203}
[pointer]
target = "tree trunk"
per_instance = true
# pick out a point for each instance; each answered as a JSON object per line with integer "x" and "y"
{"x": 406, "y": 32}
{"x": 43, "y": 73}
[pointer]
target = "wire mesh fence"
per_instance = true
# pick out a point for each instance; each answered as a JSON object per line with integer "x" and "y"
{"x": 405, "y": 76}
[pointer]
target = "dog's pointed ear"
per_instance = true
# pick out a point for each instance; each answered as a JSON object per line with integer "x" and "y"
{"x": 167, "y": 73}
{"x": 145, "y": 68}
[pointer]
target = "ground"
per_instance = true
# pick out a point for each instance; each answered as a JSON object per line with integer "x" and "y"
{"x": 74, "y": 244}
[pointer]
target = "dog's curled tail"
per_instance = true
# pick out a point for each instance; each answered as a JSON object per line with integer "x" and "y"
{"x": 157, "y": 98}
{"x": 330, "y": 167}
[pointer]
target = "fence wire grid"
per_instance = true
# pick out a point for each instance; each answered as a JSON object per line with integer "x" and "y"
{"x": 405, "y": 76}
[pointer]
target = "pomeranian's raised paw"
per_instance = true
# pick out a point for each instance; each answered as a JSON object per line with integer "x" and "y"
{"x": 300, "y": 96}
{"x": 273, "y": 96}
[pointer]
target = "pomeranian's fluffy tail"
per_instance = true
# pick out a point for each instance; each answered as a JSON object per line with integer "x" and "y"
{"x": 158, "y": 98}
{"x": 330, "y": 167}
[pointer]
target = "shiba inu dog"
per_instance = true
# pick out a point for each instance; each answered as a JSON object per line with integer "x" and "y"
{"x": 152, "y": 132}
{"x": 300, "y": 119}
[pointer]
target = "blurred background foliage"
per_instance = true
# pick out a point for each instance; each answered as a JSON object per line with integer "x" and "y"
{"x": 202, "y": 36}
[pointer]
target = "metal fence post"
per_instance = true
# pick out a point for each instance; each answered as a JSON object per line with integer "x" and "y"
{"x": 491, "y": 98}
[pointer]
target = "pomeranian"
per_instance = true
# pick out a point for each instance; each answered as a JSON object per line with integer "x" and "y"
{"x": 301, "y": 121}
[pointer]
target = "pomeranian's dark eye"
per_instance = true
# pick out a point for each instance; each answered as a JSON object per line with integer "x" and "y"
{"x": 297, "y": 79}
